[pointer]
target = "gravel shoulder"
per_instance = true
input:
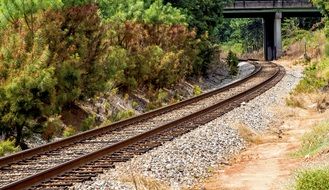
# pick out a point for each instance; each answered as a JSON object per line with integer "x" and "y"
{"x": 190, "y": 158}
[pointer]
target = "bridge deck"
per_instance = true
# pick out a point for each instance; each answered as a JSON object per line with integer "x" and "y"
{"x": 263, "y": 8}
{"x": 270, "y": 4}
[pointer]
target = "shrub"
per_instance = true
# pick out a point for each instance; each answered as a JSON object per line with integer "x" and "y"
{"x": 88, "y": 123}
{"x": 61, "y": 60}
{"x": 53, "y": 127}
{"x": 150, "y": 55}
{"x": 124, "y": 114}
{"x": 134, "y": 104}
{"x": 69, "y": 131}
{"x": 233, "y": 62}
{"x": 315, "y": 77}
{"x": 197, "y": 90}
{"x": 78, "y": 51}
{"x": 316, "y": 179}
{"x": 7, "y": 146}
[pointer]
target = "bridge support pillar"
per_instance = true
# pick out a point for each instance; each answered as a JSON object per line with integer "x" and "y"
{"x": 268, "y": 38}
{"x": 278, "y": 34}
{"x": 272, "y": 36}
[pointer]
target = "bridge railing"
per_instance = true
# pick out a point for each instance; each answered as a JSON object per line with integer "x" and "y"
{"x": 261, "y": 4}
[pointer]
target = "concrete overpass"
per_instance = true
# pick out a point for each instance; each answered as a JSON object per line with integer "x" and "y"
{"x": 272, "y": 12}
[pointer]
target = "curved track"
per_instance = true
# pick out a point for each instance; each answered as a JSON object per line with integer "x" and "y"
{"x": 61, "y": 164}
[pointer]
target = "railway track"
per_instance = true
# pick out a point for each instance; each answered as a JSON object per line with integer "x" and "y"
{"x": 60, "y": 164}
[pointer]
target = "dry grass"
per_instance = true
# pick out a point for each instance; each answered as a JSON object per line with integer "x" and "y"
{"x": 318, "y": 101}
{"x": 315, "y": 47}
{"x": 248, "y": 134}
{"x": 144, "y": 183}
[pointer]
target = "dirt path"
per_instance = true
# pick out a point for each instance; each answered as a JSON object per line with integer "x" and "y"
{"x": 269, "y": 165}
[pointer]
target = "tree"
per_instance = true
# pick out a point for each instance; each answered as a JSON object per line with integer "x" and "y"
{"x": 27, "y": 89}
{"x": 151, "y": 11}
{"x": 66, "y": 60}
{"x": 12, "y": 10}
{"x": 247, "y": 32}
{"x": 323, "y": 5}
{"x": 204, "y": 15}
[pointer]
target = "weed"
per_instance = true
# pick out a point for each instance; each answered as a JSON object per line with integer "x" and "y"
{"x": 233, "y": 62}
{"x": 134, "y": 104}
{"x": 162, "y": 96}
{"x": 315, "y": 141}
{"x": 316, "y": 77}
{"x": 69, "y": 131}
{"x": 197, "y": 90}
{"x": 6, "y": 147}
{"x": 88, "y": 123}
{"x": 316, "y": 179}
{"x": 124, "y": 114}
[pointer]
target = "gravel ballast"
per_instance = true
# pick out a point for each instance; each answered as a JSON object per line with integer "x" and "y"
{"x": 185, "y": 160}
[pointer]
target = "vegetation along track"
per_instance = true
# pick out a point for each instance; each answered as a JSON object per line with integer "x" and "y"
{"x": 60, "y": 164}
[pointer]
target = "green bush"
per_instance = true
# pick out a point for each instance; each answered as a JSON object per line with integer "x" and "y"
{"x": 315, "y": 77}
{"x": 69, "y": 131}
{"x": 88, "y": 123}
{"x": 315, "y": 179}
{"x": 7, "y": 146}
{"x": 197, "y": 90}
{"x": 233, "y": 62}
{"x": 124, "y": 114}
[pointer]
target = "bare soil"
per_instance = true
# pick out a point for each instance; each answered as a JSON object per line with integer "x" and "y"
{"x": 268, "y": 165}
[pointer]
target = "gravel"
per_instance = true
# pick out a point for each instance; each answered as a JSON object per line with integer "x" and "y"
{"x": 187, "y": 159}
{"x": 214, "y": 82}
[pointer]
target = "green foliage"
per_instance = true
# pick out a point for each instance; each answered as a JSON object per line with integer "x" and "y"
{"x": 235, "y": 47}
{"x": 69, "y": 131}
{"x": 53, "y": 53}
{"x": 12, "y": 10}
{"x": 124, "y": 114}
{"x": 323, "y": 5}
{"x": 316, "y": 179}
{"x": 151, "y": 55}
{"x": 197, "y": 90}
{"x": 241, "y": 35}
{"x": 206, "y": 53}
{"x": 134, "y": 104}
{"x": 6, "y": 147}
{"x": 315, "y": 141}
{"x": 77, "y": 40}
{"x": 27, "y": 83}
{"x": 205, "y": 15}
{"x": 88, "y": 123}
{"x": 291, "y": 33}
{"x": 315, "y": 77}
{"x": 63, "y": 61}
{"x": 157, "y": 99}
{"x": 233, "y": 62}
{"x": 152, "y": 11}
{"x": 72, "y": 3}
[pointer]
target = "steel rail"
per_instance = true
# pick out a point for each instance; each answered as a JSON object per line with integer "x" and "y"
{"x": 117, "y": 125}
{"x": 76, "y": 163}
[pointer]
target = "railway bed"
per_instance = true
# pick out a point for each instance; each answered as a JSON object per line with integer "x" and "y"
{"x": 83, "y": 156}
